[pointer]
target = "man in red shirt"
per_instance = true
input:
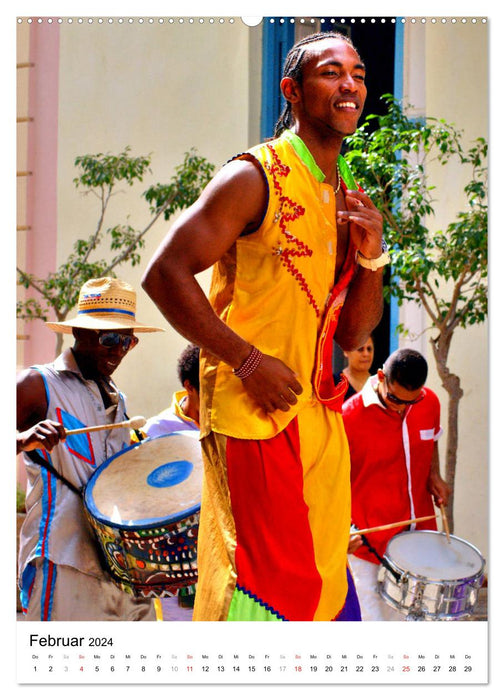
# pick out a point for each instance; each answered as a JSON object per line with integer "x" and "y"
{"x": 393, "y": 426}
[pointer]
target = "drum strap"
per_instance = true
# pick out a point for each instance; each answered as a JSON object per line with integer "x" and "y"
{"x": 382, "y": 561}
{"x": 36, "y": 457}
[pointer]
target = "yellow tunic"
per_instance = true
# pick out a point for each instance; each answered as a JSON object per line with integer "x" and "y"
{"x": 273, "y": 288}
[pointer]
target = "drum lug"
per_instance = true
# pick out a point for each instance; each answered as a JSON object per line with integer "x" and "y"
{"x": 415, "y": 615}
{"x": 416, "y": 612}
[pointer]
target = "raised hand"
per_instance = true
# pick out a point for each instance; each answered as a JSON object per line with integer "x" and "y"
{"x": 365, "y": 221}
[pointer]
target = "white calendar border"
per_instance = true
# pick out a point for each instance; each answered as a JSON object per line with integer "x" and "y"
{"x": 242, "y": 653}
{"x": 11, "y": 627}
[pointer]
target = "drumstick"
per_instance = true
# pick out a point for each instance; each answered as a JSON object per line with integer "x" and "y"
{"x": 445, "y": 522}
{"x": 133, "y": 423}
{"x": 391, "y": 525}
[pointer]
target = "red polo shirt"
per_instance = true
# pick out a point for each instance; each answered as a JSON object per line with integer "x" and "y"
{"x": 391, "y": 458}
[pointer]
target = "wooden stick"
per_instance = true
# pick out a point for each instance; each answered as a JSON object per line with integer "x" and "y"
{"x": 445, "y": 522}
{"x": 378, "y": 528}
{"x": 134, "y": 423}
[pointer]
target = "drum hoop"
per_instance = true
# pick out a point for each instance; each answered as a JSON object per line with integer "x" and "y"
{"x": 422, "y": 577}
{"x": 429, "y": 579}
{"x": 93, "y": 511}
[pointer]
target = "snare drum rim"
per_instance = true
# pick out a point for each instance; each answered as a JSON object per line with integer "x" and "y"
{"x": 150, "y": 524}
{"x": 421, "y": 577}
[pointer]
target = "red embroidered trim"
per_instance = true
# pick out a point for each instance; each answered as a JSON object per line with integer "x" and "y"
{"x": 290, "y": 211}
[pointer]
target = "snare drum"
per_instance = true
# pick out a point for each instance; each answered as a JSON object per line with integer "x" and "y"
{"x": 143, "y": 505}
{"x": 430, "y": 578}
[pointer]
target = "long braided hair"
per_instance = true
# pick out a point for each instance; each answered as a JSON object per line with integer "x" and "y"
{"x": 293, "y": 68}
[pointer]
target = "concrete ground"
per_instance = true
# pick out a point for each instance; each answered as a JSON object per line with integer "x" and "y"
{"x": 173, "y": 612}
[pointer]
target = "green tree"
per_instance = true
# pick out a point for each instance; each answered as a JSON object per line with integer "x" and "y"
{"x": 445, "y": 272}
{"x": 100, "y": 175}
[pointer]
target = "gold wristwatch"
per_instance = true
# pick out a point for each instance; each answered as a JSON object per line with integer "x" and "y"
{"x": 373, "y": 263}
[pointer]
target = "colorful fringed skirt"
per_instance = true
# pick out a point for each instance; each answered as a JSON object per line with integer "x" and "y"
{"x": 274, "y": 526}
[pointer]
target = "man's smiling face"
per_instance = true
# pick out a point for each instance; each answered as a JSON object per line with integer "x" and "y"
{"x": 332, "y": 91}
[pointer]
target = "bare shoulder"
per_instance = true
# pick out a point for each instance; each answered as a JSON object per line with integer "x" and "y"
{"x": 242, "y": 169}
{"x": 233, "y": 203}
{"x": 241, "y": 187}
{"x": 31, "y": 398}
{"x": 28, "y": 378}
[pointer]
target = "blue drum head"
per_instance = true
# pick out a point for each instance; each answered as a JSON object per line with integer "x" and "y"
{"x": 152, "y": 483}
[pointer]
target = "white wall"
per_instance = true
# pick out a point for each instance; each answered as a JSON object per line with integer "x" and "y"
{"x": 160, "y": 89}
{"x": 446, "y": 76}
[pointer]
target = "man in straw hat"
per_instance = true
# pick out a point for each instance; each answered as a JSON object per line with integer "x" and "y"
{"x": 60, "y": 576}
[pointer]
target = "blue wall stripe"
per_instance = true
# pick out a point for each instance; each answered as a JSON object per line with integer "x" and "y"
{"x": 398, "y": 94}
{"x": 277, "y": 39}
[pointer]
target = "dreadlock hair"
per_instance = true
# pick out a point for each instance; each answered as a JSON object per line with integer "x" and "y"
{"x": 293, "y": 68}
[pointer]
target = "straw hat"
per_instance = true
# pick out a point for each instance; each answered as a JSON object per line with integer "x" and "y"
{"x": 104, "y": 304}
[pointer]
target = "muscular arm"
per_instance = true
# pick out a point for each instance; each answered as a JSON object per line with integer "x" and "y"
{"x": 198, "y": 239}
{"x": 35, "y": 432}
{"x": 362, "y": 309}
{"x": 232, "y": 203}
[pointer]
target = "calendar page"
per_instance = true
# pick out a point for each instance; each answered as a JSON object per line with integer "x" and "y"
{"x": 204, "y": 653}
{"x": 168, "y": 100}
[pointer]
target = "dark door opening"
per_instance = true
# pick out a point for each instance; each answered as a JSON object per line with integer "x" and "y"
{"x": 375, "y": 43}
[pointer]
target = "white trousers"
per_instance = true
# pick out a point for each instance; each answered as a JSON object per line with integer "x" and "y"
{"x": 372, "y": 605}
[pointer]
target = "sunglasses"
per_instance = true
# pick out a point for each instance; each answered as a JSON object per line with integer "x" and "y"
{"x": 402, "y": 402}
{"x": 111, "y": 339}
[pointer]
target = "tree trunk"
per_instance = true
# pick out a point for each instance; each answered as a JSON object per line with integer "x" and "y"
{"x": 455, "y": 394}
{"x": 59, "y": 344}
{"x": 451, "y": 383}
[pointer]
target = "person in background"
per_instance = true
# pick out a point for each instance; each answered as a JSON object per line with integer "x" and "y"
{"x": 61, "y": 577}
{"x": 357, "y": 370}
{"x": 393, "y": 428}
{"x": 183, "y": 413}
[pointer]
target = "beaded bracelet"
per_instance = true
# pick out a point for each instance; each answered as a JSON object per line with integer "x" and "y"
{"x": 249, "y": 365}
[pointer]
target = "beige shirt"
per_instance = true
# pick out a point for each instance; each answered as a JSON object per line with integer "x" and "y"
{"x": 56, "y": 527}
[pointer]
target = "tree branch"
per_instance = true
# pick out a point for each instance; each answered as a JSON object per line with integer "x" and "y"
{"x": 434, "y": 316}
{"x": 451, "y": 316}
{"x": 94, "y": 239}
{"x": 127, "y": 252}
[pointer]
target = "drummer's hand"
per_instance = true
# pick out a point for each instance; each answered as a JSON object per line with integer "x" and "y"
{"x": 354, "y": 543}
{"x": 44, "y": 436}
{"x": 273, "y": 385}
{"x": 439, "y": 489}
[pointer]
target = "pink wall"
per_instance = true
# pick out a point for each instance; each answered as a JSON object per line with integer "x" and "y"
{"x": 42, "y": 216}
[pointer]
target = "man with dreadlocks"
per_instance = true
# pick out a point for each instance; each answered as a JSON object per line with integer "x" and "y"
{"x": 297, "y": 256}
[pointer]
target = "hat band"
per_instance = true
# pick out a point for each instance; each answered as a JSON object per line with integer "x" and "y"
{"x": 106, "y": 311}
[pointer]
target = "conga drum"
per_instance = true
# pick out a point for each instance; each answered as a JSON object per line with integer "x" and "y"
{"x": 143, "y": 505}
{"x": 425, "y": 577}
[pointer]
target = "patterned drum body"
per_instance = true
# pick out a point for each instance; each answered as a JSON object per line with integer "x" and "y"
{"x": 143, "y": 505}
{"x": 430, "y": 578}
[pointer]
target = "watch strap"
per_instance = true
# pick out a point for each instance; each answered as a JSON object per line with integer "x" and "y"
{"x": 372, "y": 263}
